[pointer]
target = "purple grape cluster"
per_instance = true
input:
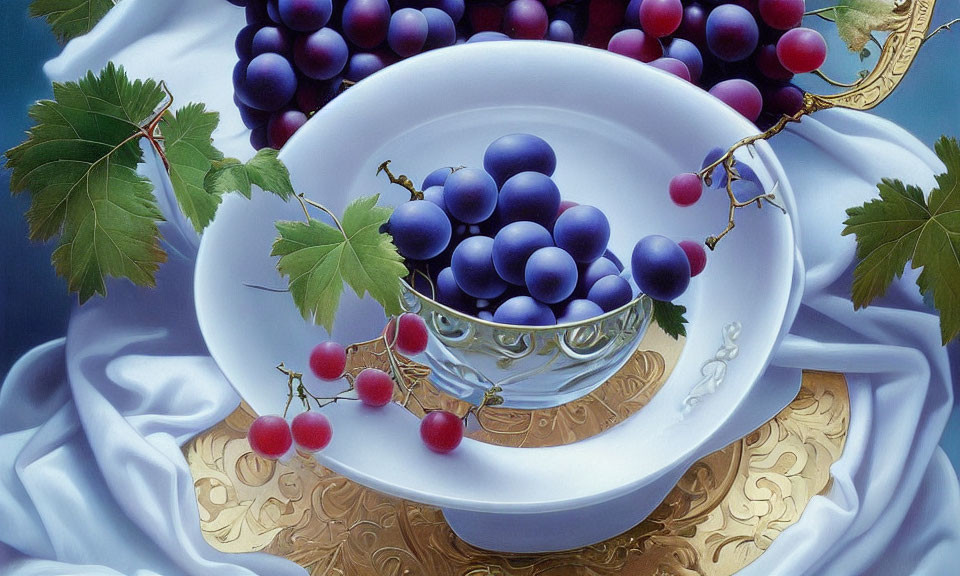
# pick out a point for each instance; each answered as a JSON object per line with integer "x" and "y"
{"x": 297, "y": 55}
{"x": 499, "y": 243}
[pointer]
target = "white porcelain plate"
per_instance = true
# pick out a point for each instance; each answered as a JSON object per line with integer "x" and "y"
{"x": 621, "y": 130}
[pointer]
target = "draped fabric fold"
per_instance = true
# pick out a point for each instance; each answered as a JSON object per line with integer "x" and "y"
{"x": 93, "y": 482}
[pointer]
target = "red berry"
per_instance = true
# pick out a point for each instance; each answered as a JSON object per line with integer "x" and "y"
{"x": 781, "y": 14}
{"x": 311, "y": 431}
{"x": 801, "y": 50}
{"x": 412, "y": 337}
{"x": 328, "y": 360}
{"x": 673, "y": 66}
{"x": 696, "y": 255}
{"x": 270, "y": 437}
{"x": 525, "y": 19}
{"x": 441, "y": 431}
{"x": 374, "y": 387}
{"x": 635, "y": 44}
{"x": 660, "y": 17}
{"x": 685, "y": 189}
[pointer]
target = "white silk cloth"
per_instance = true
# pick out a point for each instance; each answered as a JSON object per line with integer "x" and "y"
{"x": 93, "y": 481}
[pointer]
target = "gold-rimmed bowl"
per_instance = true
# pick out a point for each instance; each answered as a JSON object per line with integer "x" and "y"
{"x": 533, "y": 366}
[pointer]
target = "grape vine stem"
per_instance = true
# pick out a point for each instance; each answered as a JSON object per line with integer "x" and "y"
{"x": 400, "y": 180}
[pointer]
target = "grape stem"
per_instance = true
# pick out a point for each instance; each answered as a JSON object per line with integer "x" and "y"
{"x": 305, "y": 395}
{"x": 400, "y": 180}
{"x": 939, "y": 29}
{"x": 304, "y": 202}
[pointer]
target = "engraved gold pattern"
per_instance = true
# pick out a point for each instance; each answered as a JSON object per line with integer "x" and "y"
{"x": 725, "y": 511}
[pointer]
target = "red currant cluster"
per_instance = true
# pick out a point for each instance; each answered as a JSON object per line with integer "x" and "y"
{"x": 272, "y": 436}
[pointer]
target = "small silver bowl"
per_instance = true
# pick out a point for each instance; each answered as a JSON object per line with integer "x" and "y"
{"x": 535, "y": 366}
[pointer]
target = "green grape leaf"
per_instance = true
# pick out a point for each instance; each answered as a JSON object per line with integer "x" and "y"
{"x": 79, "y": 166}
{"x": 669, "y": 317}
{"x": 71, "y": 18}
{"x": 857, "y": 19}
{"x": 902, "y": 226}
{"x": 188, "y": 146}
{"x": 319, "y": 259}
{"x": 264, "y": 169}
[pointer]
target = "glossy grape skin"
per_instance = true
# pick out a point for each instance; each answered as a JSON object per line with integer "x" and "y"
{"x": 244, "y": 41}
{"x": 514, "y": 244}
{"x": 551, "y": 275}
{"x": 448, "y": 292}
{"x": 613, "y": 258}
{"x": 583, "y": 231}
{"x": 488, "y": 36}
{"x": 436, "y": 178}
{"x": 631, "y": 16}
{"x": 673, "y": 66}
{"x": 696, "y": 255}
{"x": 768, "y": 63}
{"x": 305, "y": 15}
{"x": 441, "y": 431}
{"x": 269, "y": 83}
{"x": 435, "y": 194}
{"x": 560, "y": 31}
{"x": 412, "y": 336}
{"x": 256, "y": 13}
{"x": 363, "y": 64}
{"x": 258, "y": 137}
{"x": 470, "y": 195}
{"x": 694, "y": 25}
{"x": 271, "y": 39}
{"x": 660, "y": 18}
{"x": 454, "y": 8}
{"x": 407, "y": 33}
{"x": 321, "y": 55}
{"x": 420, "y": 229}
{"x": 525, "y": 20}
{"x": 660, "y": 267}
{"x": 579, "y": 310}
{"x": 732, "y": 32}
{"x": 365, "y": 22}
{"x": 524, "y": 311}
{"x": 741, "y": 95}
{"x": 472, "y": 264}
{"x": 530, "y": 196}
{"x": 594, "y": 271}
{"x": 610, "y": 292}
{"x": 781, "y": 14}
{"x": 282, "y": 125}
{"x": 311, "y": 431}
{"x": 251, "y": 117}
{"x": 514, "y": 153}
{"x": 786, "y": 100}
{"x": 801, "y": 50}
{"x": 686, "y": 52}
{"x": 374, "y": 387}
{"x": 635, "y": 44}
{"x": 273, "y": 12}
{"x": 685, "y": 189}
{"x": 270, "y": 437}
{"x": 328, "y": 360}
{"x": 441, "y": 31}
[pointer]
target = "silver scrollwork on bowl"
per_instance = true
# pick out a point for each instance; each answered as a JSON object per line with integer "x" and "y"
{"x": 535, "y": 366}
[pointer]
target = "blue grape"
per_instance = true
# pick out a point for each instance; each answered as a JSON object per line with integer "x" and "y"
{"x": 305, "y": 15}
{"x": 472, "y": 265}
{"x": 631, "y": 18}
{"x": 529, "y": 196}
{"x": 660, "y": 267}
{"x": 512, "y": 247}
{"x": 613, "y": 258}
{"x": 273, "y": 12}
{"x": 282, "y": 125}
{"x": 448, "y": 292}
{"x": 363, "y": 64}
{"x": 321, "y": 55}
{"x": 583, "y": 231}
{"x": 560, "y": 31}
{"x": 485, "y": 315}
{"x": 407, "y": 33}
{"x": 258, "y": 137}
{"x": 251, "y": 117}
{"x": 550, "y": 275}
{"x": 244, "y": 41}
{"x": 238, "y": 2}
{"x": 610, "y": 292}
{"x": 732, "y": 32}
{"x": 488, "y": 36}
{"x": 578, "y": 311}
{"x": 524, "y": 311}
{"x": 435, "y": 194}
{"x": 256, "y": 13}
{"x": 420, "y": 229}
{"x": 437, "y": 177}
{"x": 269, "y": 83}
{"x": 454, "y": 8}
{"x": 687, "y": 52}
{"x": 470, "y": 195}
{"x": 441, "y": 31}
{"x": 594, "y": 271}
{"x": 270, "y": 39}
{"x": 365, "y": 22}
{"x": 718, "y": 176}
{"x": 514, "y": 153}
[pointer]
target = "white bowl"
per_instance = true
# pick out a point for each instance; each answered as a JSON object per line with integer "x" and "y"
{"x": 621, "y": 130}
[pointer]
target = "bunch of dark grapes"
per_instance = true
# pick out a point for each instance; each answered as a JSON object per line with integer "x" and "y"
{"x": 500, "y": 243}
{"x": 297, "y": 55}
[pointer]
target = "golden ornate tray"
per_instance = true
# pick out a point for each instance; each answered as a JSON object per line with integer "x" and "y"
{"x": 723, "y": 513}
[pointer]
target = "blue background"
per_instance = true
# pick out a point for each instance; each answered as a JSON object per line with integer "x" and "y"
{"x": 34, "y": 304}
